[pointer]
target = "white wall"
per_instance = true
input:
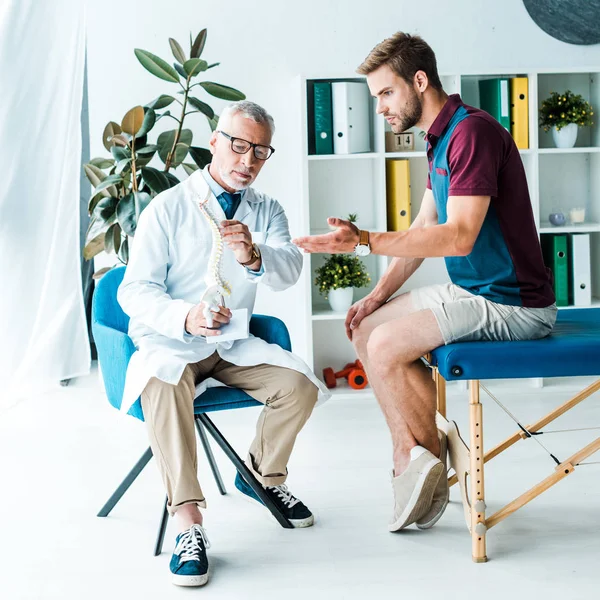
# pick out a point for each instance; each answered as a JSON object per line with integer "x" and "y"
{"x": 263, "y": 46}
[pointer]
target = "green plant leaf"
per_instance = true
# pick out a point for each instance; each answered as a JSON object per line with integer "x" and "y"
{"x": 223, "y": 92}
{"x": 167, "y": 113}
{"x": 180, "y": 70}
{"x": 201, "y": 106}
{"x": 110, "y": 130}
{"x": 120, "y": 153}
{"x": 126, "y": 210}
{"x": 112, "y": 239}
{"x": 105, "y": 209}
{"x": 198, "y": 45}
{"x": 142, "y": 161}
{"x": 100, "y": 272}
{"x": 94, "y": 247}
{"x": 126, "y": 214}
{"x": 156, "y": 180}
{"x": 177, "y": 50}
{"x": 94, "y": 201}
{"x": 132, "y": 121}
{"x": 120, "y": 140}
{"x": 194, "y": 66}
{"x": 102, "y": 163}
{"x": 122, "y": 165}
{"x": 147, "y": 124}
{"x": 181, "y": 151}
{"x": 147, "y": 150}
{"x": 111, "y": 180}
{"x": 201, "y": 156}
{"x": 189, "y": 168}
{"x": 161, "y": 102}
{"x": 172, "y": 179}
{"x": 117, "y": 237}
{"x": 124, "y": 251}
{"x": 213, "y": 122}
{"x": 157, "y": 66}
{"x": 213, "y": 65}
{"x": 99, "y": 226}
{"x": 167, "y": 138}
{"x": 96, "y": 176}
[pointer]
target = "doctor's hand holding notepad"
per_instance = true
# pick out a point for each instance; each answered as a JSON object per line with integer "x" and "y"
{"x": 226, "y": 324}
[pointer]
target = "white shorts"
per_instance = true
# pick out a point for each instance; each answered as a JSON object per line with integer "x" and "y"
{"x": 465, "y": 317}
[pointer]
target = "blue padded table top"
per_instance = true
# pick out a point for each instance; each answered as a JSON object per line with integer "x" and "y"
{"x": 573, "y": 348}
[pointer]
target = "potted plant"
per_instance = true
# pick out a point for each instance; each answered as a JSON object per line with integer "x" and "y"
{"x": 339, "y": 275}
{"x": 124, "y": 184}
{"x": 564, "y": 114}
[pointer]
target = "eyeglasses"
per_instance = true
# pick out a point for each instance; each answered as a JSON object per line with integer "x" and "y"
{"x": 240, "y": 146}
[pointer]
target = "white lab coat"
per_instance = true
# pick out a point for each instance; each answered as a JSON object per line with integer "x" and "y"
{"x": 165, "y": 279}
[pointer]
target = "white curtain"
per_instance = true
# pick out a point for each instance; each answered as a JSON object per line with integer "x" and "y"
{"x": 43, "y": 336}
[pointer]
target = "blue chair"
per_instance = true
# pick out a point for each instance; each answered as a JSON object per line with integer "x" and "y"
{"x": 115, "y": 348}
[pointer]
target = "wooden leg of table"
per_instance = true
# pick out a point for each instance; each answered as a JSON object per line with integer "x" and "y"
{"x": 478, "y": 527}
{"x": 440, "y": 387}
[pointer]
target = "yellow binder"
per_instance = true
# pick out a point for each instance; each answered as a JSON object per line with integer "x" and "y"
{"x": 398, "y": 194}
{"x": 519, "y": 122}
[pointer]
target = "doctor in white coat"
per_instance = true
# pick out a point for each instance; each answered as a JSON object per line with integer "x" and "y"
{"x": 175, "y": 258}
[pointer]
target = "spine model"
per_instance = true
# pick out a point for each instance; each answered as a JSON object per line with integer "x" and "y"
{"x": 216, "y": 286}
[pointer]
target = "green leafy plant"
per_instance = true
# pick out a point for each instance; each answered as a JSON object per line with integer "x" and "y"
{"x": 559, "y": 110}
{"x": 341, "y": 271}
{"x": 124, "y": 184}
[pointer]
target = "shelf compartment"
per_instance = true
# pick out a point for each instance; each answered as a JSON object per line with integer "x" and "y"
{"x": 340, "y": 187}
{"x": 568, "y": 181}
{"x": 586, "y": 84}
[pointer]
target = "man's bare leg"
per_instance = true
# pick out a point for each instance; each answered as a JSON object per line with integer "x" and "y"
{"x": 390, "y": 343}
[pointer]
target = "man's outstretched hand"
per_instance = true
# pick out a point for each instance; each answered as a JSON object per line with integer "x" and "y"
{"x": 342, "y": 240}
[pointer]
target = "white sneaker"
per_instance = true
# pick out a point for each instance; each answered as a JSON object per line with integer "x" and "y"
{"x": 441, "y": 495}
{"x": 413, "y": 490}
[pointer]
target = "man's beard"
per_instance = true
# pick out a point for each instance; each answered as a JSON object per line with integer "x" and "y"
{"x": 234, "y": 184}
{"x": 412, "y": 115}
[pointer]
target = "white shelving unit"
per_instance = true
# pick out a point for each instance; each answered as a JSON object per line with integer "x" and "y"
{"x": 336, "y": 185}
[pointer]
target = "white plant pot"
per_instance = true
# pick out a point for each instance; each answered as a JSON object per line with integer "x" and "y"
{"x": 340, "y": 300}
{"x": 566, "y": 137}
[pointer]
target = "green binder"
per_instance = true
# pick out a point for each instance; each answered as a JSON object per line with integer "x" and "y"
{"x": 556, "y": 257}
{"x": 494, "y": 98}
{"x": 323, "y": 118}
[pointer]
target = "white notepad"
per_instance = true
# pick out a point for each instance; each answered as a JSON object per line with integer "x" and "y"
{"x": 236, "y": 329}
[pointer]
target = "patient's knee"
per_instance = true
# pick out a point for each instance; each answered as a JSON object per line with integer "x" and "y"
{"x": 360, "y": 339}
{"x": 384, "y": 351}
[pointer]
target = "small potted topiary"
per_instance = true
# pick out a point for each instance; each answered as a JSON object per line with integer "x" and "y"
{"x": 564, "y": 114}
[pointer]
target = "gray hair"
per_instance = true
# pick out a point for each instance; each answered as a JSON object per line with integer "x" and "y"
{"x": 249, "y": 110}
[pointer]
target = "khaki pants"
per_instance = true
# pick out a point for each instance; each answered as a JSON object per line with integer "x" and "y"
{"x": 289, "y": 398}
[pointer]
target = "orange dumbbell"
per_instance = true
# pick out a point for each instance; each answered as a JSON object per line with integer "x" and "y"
{"x": 354, "y": 373}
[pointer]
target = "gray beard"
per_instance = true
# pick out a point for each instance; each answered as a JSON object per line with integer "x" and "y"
{"x": 234, "y": 185}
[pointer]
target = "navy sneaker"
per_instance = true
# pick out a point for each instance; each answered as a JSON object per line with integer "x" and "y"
{"x": 189, "y": 564}
{"x": 296, "y": 512}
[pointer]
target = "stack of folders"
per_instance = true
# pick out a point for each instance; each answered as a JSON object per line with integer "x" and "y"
{"x": 507, "y": 100}
{"x": 339, "y": 117}
{"x": 397, "y": 174}
{"x": 568, "y": 257}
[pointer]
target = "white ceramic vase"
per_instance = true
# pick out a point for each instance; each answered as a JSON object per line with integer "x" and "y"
{"x": 340, "y": 300}
{"x": 566, "y": 137}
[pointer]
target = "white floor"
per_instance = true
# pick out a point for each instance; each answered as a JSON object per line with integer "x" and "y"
{"x": 62, "y": 454}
